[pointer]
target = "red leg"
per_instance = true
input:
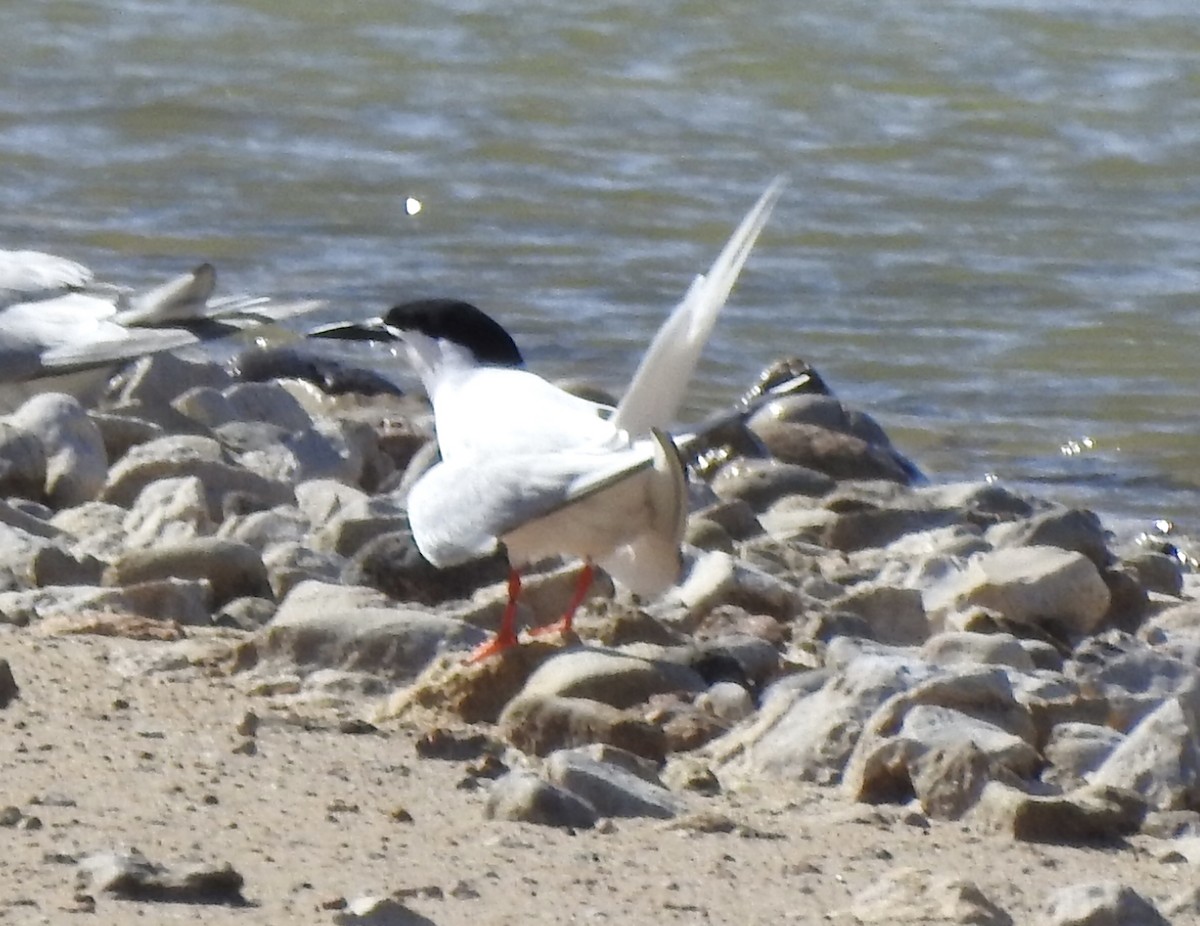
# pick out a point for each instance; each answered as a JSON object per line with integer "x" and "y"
{"x": 564, "y": 624}
{"x": 506, "y": 636}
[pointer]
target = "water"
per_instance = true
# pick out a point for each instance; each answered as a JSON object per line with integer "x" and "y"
{"x": 989, "y": 239}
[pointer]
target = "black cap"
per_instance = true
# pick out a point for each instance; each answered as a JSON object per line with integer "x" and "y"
{"x": 460, "y": 322}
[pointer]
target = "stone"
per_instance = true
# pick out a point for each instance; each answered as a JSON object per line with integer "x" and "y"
{"x": 1157, "y": 572}
{"x": 872, "y": 528}
{"x": 1106, "y": 903}
{"x": 524, "y": 797}
{"x": 168, "y": 511}
{"x": 9, "y": 689}
{"x": 392, "y": 563}
{"x": 1074, "y": 529}
{"x": 22, "y": 463}
{"x": 717, "y": 579}
{"x": 895, "y": 615}
{"x": 331, "y": 626}
{"x": 839, "y": 455}
{"x": 960, "y": 647}
{"x": 76, "y": 460}
{"x": 1033, "y": 585}
{"x": 232, "y": 569}
{"x": 540, "y": 724}
{"x": 612, "y": 678}
{"x": 1159, "y": 758}
{"x": 369, "y": 910}
{"x": 615, "y": 785}
{"x": 761, "y": 483}
{"x": 130, "y": 875}
{"x": 917, "y": 896}
{"x": 1076, "y": 749}
{"x": 1085, "y": 816}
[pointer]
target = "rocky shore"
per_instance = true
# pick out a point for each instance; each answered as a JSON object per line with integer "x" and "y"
{"x": 232, "y": 691}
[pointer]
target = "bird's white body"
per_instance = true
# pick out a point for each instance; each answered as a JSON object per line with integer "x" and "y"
{"x": 548, "y": 473}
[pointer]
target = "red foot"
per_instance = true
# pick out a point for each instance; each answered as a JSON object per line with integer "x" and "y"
{"x": 506, "y": 636}
{"x": 565, "y": 623}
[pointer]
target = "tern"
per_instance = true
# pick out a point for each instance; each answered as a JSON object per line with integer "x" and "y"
{"x": 541, "y": 472}
{"x": 62, "y": 330}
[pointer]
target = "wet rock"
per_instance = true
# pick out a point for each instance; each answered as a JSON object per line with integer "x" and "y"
{"x": 525, "y": 798}
{"x": 824, "y": 411}
{"x": 609, "y": 677}
{"x": 761, "y": 483}
{"x": 614, "y": 782}
{"x": 1157, "y": 572}
{"x": 1087, "y": 815}
{"x": 1107, "y": 903}
{"x": 1159, "y": 758}
{"x": 130, "y": 875}
{"x": 839, "y": 455}
{"x": 9, "y": 690}
{"x": 917, "y": 896}
{"x": 541, "y": 724}
{"x": 231, "y": 569}
{"x": 76, "y": 461}
{"x": 1034, "y": 585}
{"x": 331, "y": 626}
{"x": 737, "y": 519}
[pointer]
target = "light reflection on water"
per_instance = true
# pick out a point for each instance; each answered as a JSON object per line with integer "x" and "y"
{"x": 988, "y": 241}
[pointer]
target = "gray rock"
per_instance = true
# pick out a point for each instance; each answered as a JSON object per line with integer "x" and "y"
{"x": 152, "y": 382}
{"x": 168, "y": 511}
{"x": 917, "y": 896}
{"x": 95, "y": 528}
{"x": 22, "y": 463}
{"x": 1037, "y": 586}
{"x": 1072, "y": 529}
{"x": 263, "y": 529}
{"x": 716, "y": 579}
{"x": 76, "y": 460}
{"x": 824, "y": 411}
{"x": 378, "y": 911}
{"x": 869, "y": 528}
{"x": 290, "y": 564}
{"x": 761, "y": 483}
{"x": 523, "y": 797}
{"x": 1076, "y": 749}
{"x": 231, "y": 569}
{"x": 808, "y": 724}
{"x": 18, "y": 552}
{"x": 1157, "y": 572}
{"x": 184, "y": 455}
{"x": 121, "y": 432}
{"x": 331, "y": 626}
{"x": 840, "y": 455}
{"x": 248, "y": 613}
{"x": 615, "y": 783}
{"x": 392, "y": 563}
{"x": 1160, "y": 758}
{"x": 263, "y": 402}
{"x": 1106, "y": 903}
{"x": 895, "y": 615}
{"x": 52, "y": 565}
{"x": 609, "y": 677}
{"x": 737, "y": 519}
{"x": 129, "y": 874}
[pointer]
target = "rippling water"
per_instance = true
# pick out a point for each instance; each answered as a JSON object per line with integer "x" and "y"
{"x": 990, "y": 239}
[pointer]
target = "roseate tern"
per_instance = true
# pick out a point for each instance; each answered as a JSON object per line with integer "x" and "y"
{"x": 61, "y": 330}
{"x": 543, "y": 472}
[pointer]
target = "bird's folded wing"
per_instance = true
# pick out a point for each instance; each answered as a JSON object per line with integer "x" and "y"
{"x": 135, "y": 343}
{"x": 32, "y": 275}
{"x": 658, "y": 386}
{"x": 459, "y": 509}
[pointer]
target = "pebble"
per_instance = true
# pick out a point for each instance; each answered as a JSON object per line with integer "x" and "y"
{"x": 1103, "y": 904}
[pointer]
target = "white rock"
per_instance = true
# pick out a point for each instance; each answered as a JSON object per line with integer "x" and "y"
{"x": 76, "y": 461}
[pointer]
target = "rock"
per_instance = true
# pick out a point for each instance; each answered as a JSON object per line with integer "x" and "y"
{"x": 609, "y": 677}
{"x": 246, "y": 613}
{"x": 1072, "y": 529}
{"x": 201, "y": 457}
{"x": 18, "y": 552}
{"x": 523, "y": 797}
{"x": 717, "y": 579}
{"x": 1103, "y": 904}
{"x": 808, "y": 724}
{"x": 541, "y": 724}
{"x": 1075, "y": 749}
{"x": 392, "y": 563}
{"x": 269, "y": 403}
{"x": 1087, "y": 815}
{"x": 95, "y": 528}
{"x": 76, "y": 460}
{"x": 168, "y": 511}
{"x": 1159, "y": 758}
{"x": 150, "y": 383}
{"x": 839, "y": 455}
{"x": 1157, "y": 572}
{"x": 614, "y": 782}
{"x": 121, "y": 432}
{"x": 291, "y": 564}
{"x": 330, "y": 626}
{"x": 761, "y": 483}
{"x": 263, "y": 529}
{"x": 824, "y": 411}
{"x": 917, "y": 896}
{"x": 378, "y": 911}
{"x": 232, "y": 569}
{"x": 895, "y": 615}
{"x": 727, "y": 701}
{"x": 1036, "y": 586}
{"x": 9, "y": 690}
{"x": 948, "y": 780}
{"x": 870, "y": 528}
{"x": 737, "y": 519}
{"x": 954, "y": 647}
{"x": 130, "y": 875}
{"x": 22, "y": 463}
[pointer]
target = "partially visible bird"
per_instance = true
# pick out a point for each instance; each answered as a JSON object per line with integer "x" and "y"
{"x": 61, "y": 330}
{"x": 544, "y": 472}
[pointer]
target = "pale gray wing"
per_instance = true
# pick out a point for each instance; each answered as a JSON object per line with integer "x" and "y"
{"x": 658, "y": 387}
{"x": 33, "y": 275}
{"x": 459, "y": 509}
